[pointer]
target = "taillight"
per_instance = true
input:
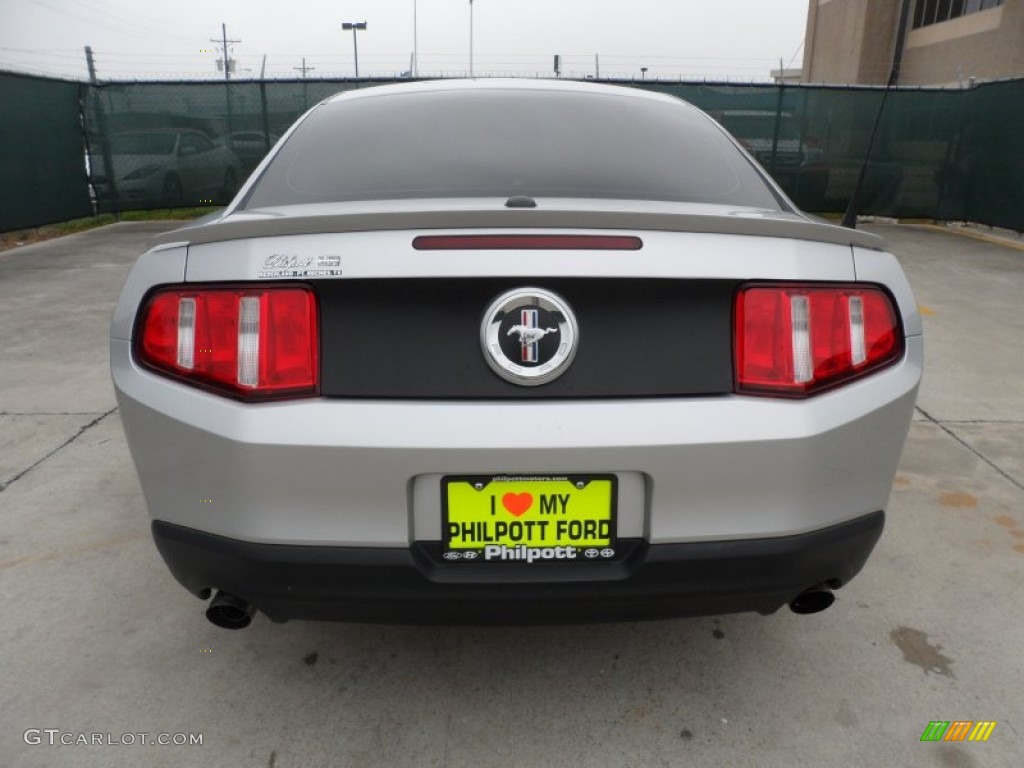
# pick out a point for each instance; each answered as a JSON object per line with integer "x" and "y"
{"x": 797, "y": 339}
{"x": 527, "y": 242}
{"x": 248, "y": 342}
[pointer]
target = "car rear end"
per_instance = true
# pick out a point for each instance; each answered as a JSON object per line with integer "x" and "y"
{"x": 324, "y": 427}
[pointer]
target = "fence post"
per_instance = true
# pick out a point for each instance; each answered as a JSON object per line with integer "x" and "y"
{"x": 101, "y": 126}
{"x": 230, "y": 142}
{"x": 266, "y": 120}
{"x": 778, "y": 123}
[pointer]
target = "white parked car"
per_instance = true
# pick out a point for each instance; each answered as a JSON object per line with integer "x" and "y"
{"x": 166, "y": 168}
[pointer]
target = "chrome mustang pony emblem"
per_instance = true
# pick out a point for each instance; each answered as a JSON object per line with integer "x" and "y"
{"x": 517, "y": 341}
{"x": 528, "y": 335}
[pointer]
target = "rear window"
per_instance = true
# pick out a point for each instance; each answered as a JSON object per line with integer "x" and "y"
{"x": 499, "y": 143}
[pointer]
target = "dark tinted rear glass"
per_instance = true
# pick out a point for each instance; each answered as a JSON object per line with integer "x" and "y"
{"x": 499, "y": 143}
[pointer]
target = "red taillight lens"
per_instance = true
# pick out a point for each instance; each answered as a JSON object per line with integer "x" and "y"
{"x": 797, "y": 339}
{"x": 251, "y": 343}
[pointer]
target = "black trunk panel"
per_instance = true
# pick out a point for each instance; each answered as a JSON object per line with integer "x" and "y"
{"x": 420, "y": 338}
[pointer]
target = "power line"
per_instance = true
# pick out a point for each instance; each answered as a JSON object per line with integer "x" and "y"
{"x": 127, "y": 29}
{"x": 793, "y": 58}
{"x": 155, "y": 65}
{"x": 135, "y": 20}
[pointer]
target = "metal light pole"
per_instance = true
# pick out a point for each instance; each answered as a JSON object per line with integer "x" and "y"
{"x": 355, "y": 26}
{"x": 470, "y": 38}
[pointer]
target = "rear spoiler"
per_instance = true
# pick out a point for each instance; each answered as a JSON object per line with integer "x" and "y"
{"x": 790, "y": 226}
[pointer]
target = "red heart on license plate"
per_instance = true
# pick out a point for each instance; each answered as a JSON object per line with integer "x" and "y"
{"x": 517, "y": 503}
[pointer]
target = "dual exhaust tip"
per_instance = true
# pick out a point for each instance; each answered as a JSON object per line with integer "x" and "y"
{"x": 230, "y": 612}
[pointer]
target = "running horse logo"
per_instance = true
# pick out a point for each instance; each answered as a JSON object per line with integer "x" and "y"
{"x": 529, "y": 334}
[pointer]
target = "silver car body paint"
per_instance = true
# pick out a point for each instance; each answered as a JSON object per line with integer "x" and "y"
{"x": 366, "y": 473}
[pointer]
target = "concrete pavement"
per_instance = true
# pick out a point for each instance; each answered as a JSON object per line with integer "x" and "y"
{"x": 96, "y": 637}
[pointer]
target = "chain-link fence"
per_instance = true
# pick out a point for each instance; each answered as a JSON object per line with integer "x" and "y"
{"x": 939, "y": 154}
{"x": 950, "y": 155}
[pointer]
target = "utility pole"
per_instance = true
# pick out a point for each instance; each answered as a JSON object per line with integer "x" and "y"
{"x": 228, "y": 66}
{"x": 355, "y": 26}
{"x": 597, "y": 67}
{"x": 470, "y": 38}
{"x": 101, "y": 126}
{"x": 415, "y": 68}
{"x": 303, "y": 69}
{"x": 229, "y": 63}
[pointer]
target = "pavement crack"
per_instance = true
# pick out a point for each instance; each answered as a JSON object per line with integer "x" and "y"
{"x": 970, "y": 447}
{"x": 81, "y": 431}
{"x": 52, "y": 413}
{"x": 983, "y": 421}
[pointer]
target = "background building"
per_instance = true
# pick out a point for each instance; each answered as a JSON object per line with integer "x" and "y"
{"x": 946, "y": 42}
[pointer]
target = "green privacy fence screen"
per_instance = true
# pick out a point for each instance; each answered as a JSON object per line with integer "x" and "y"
{"x": 42, "y": 168}
{"x": 940, "y": 154}
{"x": 951, "y": 155}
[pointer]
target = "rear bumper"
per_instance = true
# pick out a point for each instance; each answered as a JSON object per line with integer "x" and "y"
{"x": 366, "y": 474}
{"x": 414, "y": 586}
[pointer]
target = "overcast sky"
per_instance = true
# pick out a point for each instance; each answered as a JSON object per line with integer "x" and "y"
{"x": 740, "y": 40}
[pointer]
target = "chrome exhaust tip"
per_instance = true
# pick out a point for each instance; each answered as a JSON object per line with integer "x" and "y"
{"x": 229, "y": 612}
{"x": 813, "y": 600}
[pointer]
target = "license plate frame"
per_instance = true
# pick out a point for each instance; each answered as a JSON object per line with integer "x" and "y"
{"x": 542, "y": 530}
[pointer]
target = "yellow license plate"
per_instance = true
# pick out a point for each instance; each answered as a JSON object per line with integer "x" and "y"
{"x": 528, "y": 519}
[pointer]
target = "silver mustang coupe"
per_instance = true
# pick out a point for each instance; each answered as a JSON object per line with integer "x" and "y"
{"x": 513, "y": 351}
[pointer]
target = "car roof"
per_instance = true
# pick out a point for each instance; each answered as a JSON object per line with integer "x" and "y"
{"x": 504, "y": 84}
